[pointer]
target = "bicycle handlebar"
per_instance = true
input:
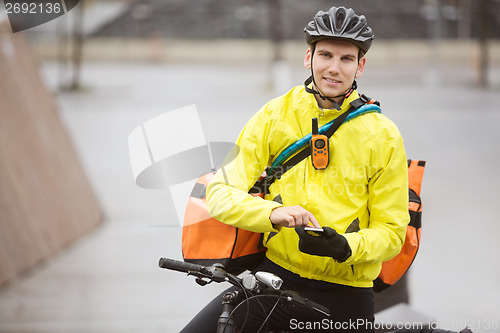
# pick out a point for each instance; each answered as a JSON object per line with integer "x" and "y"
{"x": 218, "y": 274}
{"x": 180, "y": 266}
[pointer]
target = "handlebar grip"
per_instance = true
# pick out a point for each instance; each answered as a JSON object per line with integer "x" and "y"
{"x": 180, "y": 266}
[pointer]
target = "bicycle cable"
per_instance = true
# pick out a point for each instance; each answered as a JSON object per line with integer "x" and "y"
{"x": 263, "y": 309}
{"x": 270, "y": 313}
{"x": 246, "y": 300}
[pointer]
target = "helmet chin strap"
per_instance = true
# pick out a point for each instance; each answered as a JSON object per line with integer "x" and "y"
{"x": 310, "y": 80}
{"x": 325, "y": 98}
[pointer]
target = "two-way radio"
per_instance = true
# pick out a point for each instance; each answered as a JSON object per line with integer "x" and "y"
{"x": 319, "y": 147}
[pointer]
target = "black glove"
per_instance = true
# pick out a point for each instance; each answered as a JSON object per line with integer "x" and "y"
{"x": 329, "y": 243}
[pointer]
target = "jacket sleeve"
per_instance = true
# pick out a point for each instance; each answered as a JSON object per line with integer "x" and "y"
{"x": 227, "y": 194}
{"x": 387, "y": 206}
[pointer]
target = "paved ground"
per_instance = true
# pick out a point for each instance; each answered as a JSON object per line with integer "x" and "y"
{"x": 109, "y": 281}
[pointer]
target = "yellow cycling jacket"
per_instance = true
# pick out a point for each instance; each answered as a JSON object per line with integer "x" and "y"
{"x": 363, "y": 194}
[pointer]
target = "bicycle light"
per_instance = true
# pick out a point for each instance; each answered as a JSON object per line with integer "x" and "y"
{"x": 269, "y": 279}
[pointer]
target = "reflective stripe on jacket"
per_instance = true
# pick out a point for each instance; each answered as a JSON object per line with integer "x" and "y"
{"x": 363, "y": 193}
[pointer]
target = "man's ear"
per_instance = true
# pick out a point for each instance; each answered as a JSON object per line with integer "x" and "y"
{"x": 361, "y": 67}
{"x": 307, "y": 59}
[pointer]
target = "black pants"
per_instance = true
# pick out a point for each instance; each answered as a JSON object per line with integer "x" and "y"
{"x": 351, "y": 310}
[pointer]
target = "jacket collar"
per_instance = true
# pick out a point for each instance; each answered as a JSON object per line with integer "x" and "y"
{"x": 332, "y": 112}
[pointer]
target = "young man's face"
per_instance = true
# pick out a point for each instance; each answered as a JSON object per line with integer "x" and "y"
{"x": 335, "y": 65}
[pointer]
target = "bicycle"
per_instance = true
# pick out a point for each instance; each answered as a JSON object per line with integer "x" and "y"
{"x": 251, "y": 286}
{"x": 254, "y": 286}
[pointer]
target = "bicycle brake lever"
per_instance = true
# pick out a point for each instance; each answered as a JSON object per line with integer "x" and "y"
{"x": 307, "y": 303}
{"x": 201, "y": 282}
{"x": 318, "y": 307}
{"x": 215, "y": 273}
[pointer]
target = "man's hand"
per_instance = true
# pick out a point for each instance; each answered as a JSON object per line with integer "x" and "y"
{"x": 293, "y": 216}
{"x": 329, "y": 244}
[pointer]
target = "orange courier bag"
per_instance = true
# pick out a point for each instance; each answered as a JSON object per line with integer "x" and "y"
{"x": 207, "y": 241}
{"x": 395, "y": 268}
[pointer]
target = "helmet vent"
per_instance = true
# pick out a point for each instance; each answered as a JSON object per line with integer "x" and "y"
{"x": 352, "y": 24}
{"x": 340, "y": 21}
{"x": 327, "y": 21}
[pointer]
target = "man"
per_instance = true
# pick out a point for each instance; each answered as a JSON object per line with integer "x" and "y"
{"x": 360, "y": 199}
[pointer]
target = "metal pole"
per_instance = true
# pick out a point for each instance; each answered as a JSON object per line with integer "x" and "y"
{"x": 434, "y": 21}
{"x": 77, "y": 46}
{"x": 275, "y": 24}
{"x": 464, "y": 25}
{"x": 438, "y": 23}
{"x": 484, "y": 31}
{"x": 280, "y": 77}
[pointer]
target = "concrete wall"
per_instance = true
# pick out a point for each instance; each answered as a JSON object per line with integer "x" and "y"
{"x": 46, "y": 201}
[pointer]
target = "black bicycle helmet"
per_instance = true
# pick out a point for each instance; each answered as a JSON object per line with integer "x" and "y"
{"x": 340, "y": 23}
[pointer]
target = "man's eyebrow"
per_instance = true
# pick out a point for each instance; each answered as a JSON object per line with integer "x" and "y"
{"x": 350, "y": 55}
{"x": 323, "y": 51}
